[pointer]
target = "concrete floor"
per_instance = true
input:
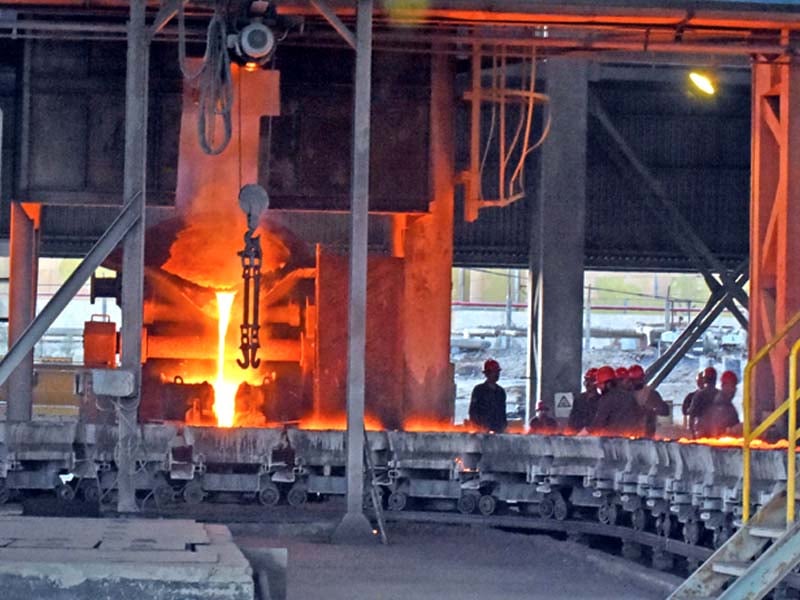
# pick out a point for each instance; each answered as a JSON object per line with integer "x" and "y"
{"x": 440, "y": 562}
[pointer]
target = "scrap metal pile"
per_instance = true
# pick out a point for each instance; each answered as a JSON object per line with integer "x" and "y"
{"x": 685, "y": 490}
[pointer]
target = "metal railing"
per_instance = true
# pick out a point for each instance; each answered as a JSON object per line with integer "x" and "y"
{"x": 789, "y": 405}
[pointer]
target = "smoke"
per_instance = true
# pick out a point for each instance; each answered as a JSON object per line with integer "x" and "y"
{"x": 205, "y": 251}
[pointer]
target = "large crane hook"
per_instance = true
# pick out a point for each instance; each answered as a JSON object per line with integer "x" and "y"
{"x": 253, "y": 200}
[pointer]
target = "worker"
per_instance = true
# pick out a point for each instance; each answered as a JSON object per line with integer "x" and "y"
{"x": 623, "y": 378}
{"x": 487, "y": 406}
{"x": 585, "y": 404}
{"x": 543, "y": 422}
{"x": 702, "y": 401}
{"x": 649, "y": 400}
{"x": 721, "y": 416}
{"x": 617, "y": 411}
{"x": 687, "y": 401}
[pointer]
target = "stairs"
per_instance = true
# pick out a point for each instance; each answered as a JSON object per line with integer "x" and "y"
{"x": 752, "y": 562}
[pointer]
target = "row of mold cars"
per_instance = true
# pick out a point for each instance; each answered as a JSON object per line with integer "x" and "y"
{"x": 687, "y": 490}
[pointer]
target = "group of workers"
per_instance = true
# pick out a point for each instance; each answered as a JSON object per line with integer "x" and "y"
{"x": 709, "y": 410}
{"x": 615, "y": 402}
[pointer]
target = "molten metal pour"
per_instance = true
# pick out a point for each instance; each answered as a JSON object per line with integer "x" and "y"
{"x": 224, "y": 391}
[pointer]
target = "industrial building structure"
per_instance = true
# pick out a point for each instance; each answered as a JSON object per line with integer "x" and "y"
{"x": 319, "y": 167}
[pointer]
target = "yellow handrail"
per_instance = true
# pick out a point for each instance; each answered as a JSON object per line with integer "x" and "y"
{"x": 747, "y": 433}
{"x": 791, "y": 461}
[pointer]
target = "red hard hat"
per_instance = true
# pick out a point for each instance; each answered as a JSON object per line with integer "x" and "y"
{"x": 636, "y": 372}
{"x": 491, "y": 366}
{"x": 729, "y": 377}
{"x": 541, "y": 406}
{"x": 621, "y": 373}
{"x": 604, "y": 375}
{"x": 710, "y": 374}
{"x": 590, "y": 374}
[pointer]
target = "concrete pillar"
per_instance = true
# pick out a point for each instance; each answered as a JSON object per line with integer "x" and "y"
{"x": 557, "y": 236}
{"x": 355, "y": 526}
{"x": 23, "y": 254}
{"x": 428, "y": 264}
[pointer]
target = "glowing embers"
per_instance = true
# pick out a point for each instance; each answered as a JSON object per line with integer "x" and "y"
{"x": 337, "y": 422}
{"x": 224, "y": 391}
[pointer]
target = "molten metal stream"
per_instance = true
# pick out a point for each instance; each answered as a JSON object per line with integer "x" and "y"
{"x": 224, "y": 391}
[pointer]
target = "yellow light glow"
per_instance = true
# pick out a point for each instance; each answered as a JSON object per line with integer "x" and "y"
{"x": 702, "y": 82}
{"x": 251, "y": 66}
{"x": 224, "y": 391}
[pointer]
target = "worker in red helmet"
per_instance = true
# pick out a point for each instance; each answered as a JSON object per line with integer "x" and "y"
{"x": 585, "y": 405}
{"x": 702, "y": 401}
{"x": 543, "y": 422}
{"x": 721, "y": 417}
{"x": 700, "y": 382}
{"x": 617, "y": 411}
{"x": 649, "y": 400}
{"x": 487, "y": 406}
{"x": 623, "y": 377}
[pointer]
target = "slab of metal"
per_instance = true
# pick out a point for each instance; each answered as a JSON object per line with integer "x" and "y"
{"x": 76, "y": 559}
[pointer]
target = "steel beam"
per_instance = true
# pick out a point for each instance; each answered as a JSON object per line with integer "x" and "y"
{"x": 662, "y": 367}
{"x": 23, "y": 256}
{"x": 718, "y": 296}
{"x": 134, "y": 186}
{"x": 774, "y": 225}
{"x": 335, "y": 22}
{"x": 355, "y": 526}
{"x": 107, "y": 242}
{"x": 167, "y": 12}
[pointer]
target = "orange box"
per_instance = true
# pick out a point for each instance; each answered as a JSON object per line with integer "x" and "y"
{"x": 100, "y": 343}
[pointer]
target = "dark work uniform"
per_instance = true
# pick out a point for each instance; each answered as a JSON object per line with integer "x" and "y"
{"x": 617, "y": 414}
{"x": 718, "y": 417}
{"x": 701, "y": 402}
{"x": 687, "y": 402}
{"x": 543, "y": 424}
{"x": 653, "y": 406}
{"x": 487, "y": 407}
{"x": 583, "y": 411}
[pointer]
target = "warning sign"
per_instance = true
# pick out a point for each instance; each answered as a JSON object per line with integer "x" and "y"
{"x": 563, "y": 404}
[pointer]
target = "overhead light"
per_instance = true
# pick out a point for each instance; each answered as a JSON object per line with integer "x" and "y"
{"x": 702, "y": 82}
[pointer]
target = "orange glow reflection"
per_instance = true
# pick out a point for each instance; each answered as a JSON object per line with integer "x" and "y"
{"x": 224, "y": 391}
{"x": 337, "y": 423}
{"x": 736, "y": 442}
{"x": 420, "y": 424}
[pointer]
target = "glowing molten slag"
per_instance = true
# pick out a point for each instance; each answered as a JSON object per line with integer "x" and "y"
{"x": 224, "y": 391}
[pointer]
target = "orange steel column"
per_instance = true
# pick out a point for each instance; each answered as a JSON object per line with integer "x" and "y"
{"x": 774, "y": 224}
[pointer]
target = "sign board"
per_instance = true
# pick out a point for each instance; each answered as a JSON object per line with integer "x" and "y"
{"x": 563, "y": 403}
